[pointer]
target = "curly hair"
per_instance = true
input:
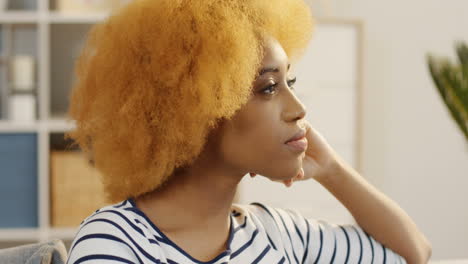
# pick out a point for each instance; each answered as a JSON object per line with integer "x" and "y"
{"x": 157, "y": 75}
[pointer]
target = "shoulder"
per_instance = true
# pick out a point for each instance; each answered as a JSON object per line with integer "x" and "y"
{"x": 114, "y": 232}
{"x": 117, "y": 219}
{"x": 273, "y": 217}
{"x": 281, "y": 225}
{"x": 316, "y": 239}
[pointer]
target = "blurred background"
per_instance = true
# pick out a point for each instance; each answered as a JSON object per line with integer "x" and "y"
{"x": 365, "y": 80}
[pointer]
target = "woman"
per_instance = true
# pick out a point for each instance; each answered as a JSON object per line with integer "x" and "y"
{"x": 176, "y": 101}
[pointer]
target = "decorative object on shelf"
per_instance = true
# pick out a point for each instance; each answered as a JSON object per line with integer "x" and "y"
{"x": 451, "y": 80}
{"x": 3, "y": 5}
{"x": 76, "y": 190}
{"x": 22, "y": 99}
{"x": 84, "y": 6}
{"x": 22, "y": 73}
{"x": 22, "y": 107}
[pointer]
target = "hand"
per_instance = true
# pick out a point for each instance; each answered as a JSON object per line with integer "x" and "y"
{"x": 319, "y": 159}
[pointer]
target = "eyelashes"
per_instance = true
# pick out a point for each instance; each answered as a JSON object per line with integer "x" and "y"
{"x": 292, "y": 82}
{"x": 271, "y": 89}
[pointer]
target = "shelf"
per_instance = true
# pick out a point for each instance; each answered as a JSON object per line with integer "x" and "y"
{"x": 75, "y": 18}
{"x": 19, "y": 234}
{"x": 52, "y": 125}
{"x": 19, "y": 17}
{"x": 18, "y": 127}
{"x": 28, "y": 149}
{"x": 30, "y": 234}
{"x": 53, "y": 17}
{"x": 60, "y": 125}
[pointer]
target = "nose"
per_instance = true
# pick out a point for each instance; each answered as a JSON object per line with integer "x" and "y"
{"x": 294, "y": 110}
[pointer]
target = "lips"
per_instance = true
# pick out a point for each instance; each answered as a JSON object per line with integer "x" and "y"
{"x": 298, "y": 142}
{"x": 300, "y": 134}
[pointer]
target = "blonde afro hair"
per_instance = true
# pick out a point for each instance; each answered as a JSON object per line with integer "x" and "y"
{"x": 157, "y": 75}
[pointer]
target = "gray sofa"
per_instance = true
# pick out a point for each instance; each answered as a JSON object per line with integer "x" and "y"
{"x": 51, "y": 252}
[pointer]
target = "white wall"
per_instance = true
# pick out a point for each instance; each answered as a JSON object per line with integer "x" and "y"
{"x": 412, "y": 149}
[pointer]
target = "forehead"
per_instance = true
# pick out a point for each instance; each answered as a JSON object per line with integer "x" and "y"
{"x": 274, "y": 54}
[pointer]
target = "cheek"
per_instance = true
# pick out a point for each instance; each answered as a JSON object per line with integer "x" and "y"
{"x": 277, "y": 162}
{"x": 247, "y": 149}
{"x": 258, "y": 147}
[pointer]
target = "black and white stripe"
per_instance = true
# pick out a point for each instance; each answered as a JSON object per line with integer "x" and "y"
{"x": 260, "y": 234}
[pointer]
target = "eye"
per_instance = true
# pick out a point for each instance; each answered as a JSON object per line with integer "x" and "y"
{"x": 292, "y": 82}
{"x": 270, "y": 89}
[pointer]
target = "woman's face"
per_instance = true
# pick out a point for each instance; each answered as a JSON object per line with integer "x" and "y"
{"x": 254, "y": 139}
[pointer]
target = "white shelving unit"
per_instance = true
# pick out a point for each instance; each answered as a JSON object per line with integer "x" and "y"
{"x": 52, "y": 31}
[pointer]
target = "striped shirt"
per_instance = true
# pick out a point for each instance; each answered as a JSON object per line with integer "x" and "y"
{"x": 122, "y": 233}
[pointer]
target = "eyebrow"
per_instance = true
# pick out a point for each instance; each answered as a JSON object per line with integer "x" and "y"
{"x": 265, "y": 70}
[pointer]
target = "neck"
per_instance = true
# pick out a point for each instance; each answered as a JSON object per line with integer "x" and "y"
{"x": 198, "y": 198}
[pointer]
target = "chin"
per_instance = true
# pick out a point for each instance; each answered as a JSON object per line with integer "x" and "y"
{"x": 287, "y": 167}
{"x": 282, "y": 174}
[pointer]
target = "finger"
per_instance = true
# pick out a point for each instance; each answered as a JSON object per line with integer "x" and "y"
{"x": 288, "y": 183}
{"x": 301, "y": 175}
